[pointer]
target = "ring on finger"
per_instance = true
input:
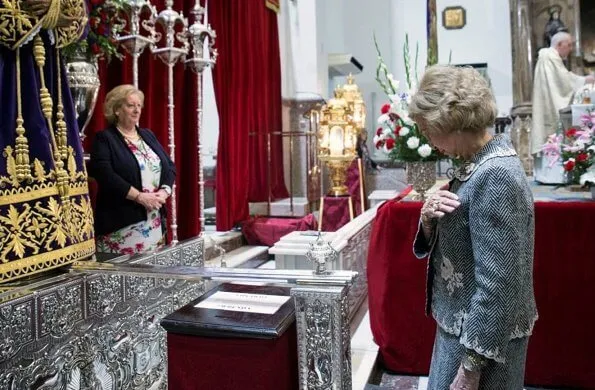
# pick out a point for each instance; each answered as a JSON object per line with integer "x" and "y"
{"x": 436, "y": 204}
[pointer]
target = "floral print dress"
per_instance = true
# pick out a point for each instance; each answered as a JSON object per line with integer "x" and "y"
{"x": 144, "y": 236}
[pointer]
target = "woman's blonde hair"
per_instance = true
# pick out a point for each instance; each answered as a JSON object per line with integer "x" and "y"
{"x": 116, "y": 98}
{"x": 451, "y": 99}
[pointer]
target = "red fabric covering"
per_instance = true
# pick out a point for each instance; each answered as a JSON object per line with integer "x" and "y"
{"x": 353, "y": 186}
{"x": 335, "y": 213}
{"x": 247, "y": 80}
{"x": 267, "y": 231}
{"x": 396, "y": 291}
{"x": 201, "y": 363}
{"x": 561, "y": 348}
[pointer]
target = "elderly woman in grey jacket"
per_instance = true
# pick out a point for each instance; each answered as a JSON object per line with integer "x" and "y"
{"x": 478, "y": 235}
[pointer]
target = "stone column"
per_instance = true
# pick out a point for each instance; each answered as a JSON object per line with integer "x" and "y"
{"x": 523, "y": 49}
{"x": 520, "y": 134}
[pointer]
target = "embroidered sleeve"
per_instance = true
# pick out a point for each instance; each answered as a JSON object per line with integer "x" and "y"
{"x": 500, "y": 219}
{"x": 17, "y": 26}
{"x": 77, "y": 11}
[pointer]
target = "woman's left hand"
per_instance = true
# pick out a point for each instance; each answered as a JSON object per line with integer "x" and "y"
{"x": 466, "y": 380}
{"x": 162, "y": 194}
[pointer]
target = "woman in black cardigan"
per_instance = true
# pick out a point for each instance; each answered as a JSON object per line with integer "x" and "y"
{"x": 135, "y": 177}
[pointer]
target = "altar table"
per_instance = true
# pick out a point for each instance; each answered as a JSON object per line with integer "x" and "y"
{"x": 561, "y": 350}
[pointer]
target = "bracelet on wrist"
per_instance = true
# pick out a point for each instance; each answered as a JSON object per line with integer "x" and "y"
{"x": 472, "y": 361}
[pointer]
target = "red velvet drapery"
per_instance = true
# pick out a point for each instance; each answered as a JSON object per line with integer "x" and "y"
{"x": 247, "y": 81}
{"x": 248, "y": 91}
{"x": 153, "y": 82}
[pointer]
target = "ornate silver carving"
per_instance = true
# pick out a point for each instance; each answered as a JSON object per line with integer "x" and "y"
{"x": 103, "y": 293}
{"x": 84, "y": 86}
{"x": 92, "y": 332}
{"x": 16, "y": 328}
{"x": 323, "y": 338}
{"x": 320, "y": 253}
{"x": 520, "y": 134}
{"x": 421, "y": 175}
{"x": 60, "y": 311}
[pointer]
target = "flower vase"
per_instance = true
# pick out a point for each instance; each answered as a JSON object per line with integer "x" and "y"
{"x": 83, "y": 80}
{"x": 422, "y": 176}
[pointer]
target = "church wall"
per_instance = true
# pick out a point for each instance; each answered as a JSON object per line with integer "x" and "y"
{"x": 361, "y": 19}
{"x": 485, "y": 38}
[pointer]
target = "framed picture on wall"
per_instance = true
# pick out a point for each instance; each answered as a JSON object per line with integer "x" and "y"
{"x": 482, "y": 68}
{"x": 454, "y": 18}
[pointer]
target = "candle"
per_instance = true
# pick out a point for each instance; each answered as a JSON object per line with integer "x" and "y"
{"x": 336, "y": 141}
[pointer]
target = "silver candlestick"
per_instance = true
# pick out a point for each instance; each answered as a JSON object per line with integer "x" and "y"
{"x": 134, "y": 42}
{"x": 198, "y": 34}
{"x": 170, "y": 54}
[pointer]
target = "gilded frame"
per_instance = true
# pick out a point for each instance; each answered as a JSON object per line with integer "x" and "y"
{"x": 454, "y": 18}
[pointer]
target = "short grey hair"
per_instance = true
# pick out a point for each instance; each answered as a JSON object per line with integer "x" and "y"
{"x": 560, "y": 37}
{"x": 453, "y": 99}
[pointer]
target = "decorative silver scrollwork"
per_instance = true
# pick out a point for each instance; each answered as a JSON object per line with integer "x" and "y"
{"x": 16, "y": 329}
{"x": 103, "y": 293}
{"x": 61, "y": 310}
{"x": 96, "y": 332}
{"x": 322, "y": 317}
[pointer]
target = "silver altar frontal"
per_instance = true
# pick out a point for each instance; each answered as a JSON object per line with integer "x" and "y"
{"x": 97, "y": 327}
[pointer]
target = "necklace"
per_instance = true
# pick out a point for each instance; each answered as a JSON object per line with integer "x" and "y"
{"x": 132, "y": 137}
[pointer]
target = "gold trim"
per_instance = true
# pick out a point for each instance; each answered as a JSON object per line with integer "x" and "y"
{"x": 38, "y": 191}
{"x": 45, "y": 261}
{"x": 76, "y": 10}
{"x": 16, "y": 25}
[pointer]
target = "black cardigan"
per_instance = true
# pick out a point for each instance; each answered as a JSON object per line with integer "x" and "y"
{"x": 116, "y": 169}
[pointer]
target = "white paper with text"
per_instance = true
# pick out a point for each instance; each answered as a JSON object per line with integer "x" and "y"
{"x": 244, "y": 302}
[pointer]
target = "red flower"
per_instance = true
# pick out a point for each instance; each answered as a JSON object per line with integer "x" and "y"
{"x": 93, "y": 22}
{"x": 390, "y": 143}
{"x": 95, "y": 48}
{"x": 379, "y": 131}
{"x": 385, "y": 109}
{"x": 582, "y": 157}
{"x": 571, "y": 132}
{"x": 379, "y": 144}
{"x": 397, "y": 129}
{"x": 102, "y": 29}
{"x": 569, "y": 165}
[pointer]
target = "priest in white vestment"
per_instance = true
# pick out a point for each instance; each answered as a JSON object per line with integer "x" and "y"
{"x": 553, "y": 87}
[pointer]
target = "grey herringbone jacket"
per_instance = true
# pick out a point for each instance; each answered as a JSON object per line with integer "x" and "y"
{"x": 480, "y": 273}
